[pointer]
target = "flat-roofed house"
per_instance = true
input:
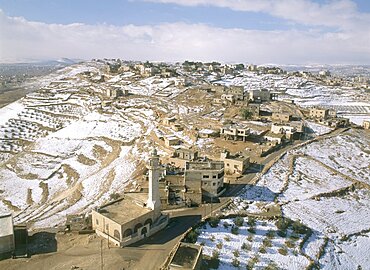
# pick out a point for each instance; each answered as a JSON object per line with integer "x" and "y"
{"x": 7, "y": 244}
{"x": 319, "y": 113}
{"x": 235, "y": 164}
{"x": 209, "y": 173}
{"x": 235, "y": 132}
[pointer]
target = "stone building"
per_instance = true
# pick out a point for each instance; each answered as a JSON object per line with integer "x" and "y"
{"x": 235, "y": 164}
{"x": 209, "y": 174}
{"x": 319, "y": 113}
{"x": 281, "y": 117}
{"x": 235, "y": 132}
{"x": 366, "y": 124}
{"x": 261, "y": 95}
{"x": 186, "y": 154}
{"x": 135, "y": 216}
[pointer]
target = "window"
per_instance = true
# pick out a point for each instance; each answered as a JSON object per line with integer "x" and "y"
{"x": 97, "y": 222}
{"x": 235, "y": 166}
{"x": 213, "y": 184}
{"x": 205, "y": 176}
{"x": 214, "y": 176}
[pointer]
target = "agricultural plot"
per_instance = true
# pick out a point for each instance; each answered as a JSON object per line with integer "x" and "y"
{"x": 324, "y": 185}
{"x": 247, "y": 243}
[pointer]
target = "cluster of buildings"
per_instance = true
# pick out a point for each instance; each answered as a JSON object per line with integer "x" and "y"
{"x": 328, "y": 117}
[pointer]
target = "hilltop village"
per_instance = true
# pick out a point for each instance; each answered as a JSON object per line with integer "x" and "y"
{"x": 139, "y": 154}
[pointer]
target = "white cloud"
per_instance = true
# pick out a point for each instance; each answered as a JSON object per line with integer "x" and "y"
{"x": 342, "y": 14}
{"x": 21, "y": 39}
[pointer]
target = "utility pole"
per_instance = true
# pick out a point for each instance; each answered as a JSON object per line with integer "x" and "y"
{"x": 101, "y": 254}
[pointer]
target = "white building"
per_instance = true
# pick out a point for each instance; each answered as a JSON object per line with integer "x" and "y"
{"x": 7, "y": 244}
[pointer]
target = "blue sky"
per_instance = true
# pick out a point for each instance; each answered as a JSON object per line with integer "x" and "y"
{"x": 120, "y": 12}
{"x": 300, "y": 31}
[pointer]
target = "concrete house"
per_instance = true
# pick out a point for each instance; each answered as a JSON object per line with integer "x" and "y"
{"x": 135, "y": 216}
{"x": 366, "y": 124}
{"x": 237, "y": 92}
{"x": 281, "y": 117}
{"x": 7, "y": 244}
{"x": 171, "y": 140}
{"x": 186, "y": 154}
{"x": 288, "y": 130}
{"x": 261, "y": 95}
{"x": 235, "y": 164}
{"x": 228, "y": 97}
{"x": 209, "y": 173}
{"x": 235, "y": 132}
{"x": 319, "y": 113}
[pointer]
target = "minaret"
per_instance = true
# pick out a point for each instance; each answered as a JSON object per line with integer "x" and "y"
{"x": 154, "y": 201}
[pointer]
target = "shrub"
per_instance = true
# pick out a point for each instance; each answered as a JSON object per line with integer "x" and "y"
{"x": 270, "y": 234}
{"x": 212, "y": 238}
{"x": 250, "y": 238}
{"x": 251, "y": 221}
{"x": 227, "y": 238}
{"x": 250, "y": 265}
{"x": 271, "y": 266}
{"x": 235, "y": 230}
{"x": 246, "y": 114}
{"x": 235, "y": 262}
{"x": 298, "y": 227}
{"x": 192, "y": 237}
{"x": 226, "y": 225}
{"x": 282, "y": 224}
{"x": 267, "y": 242}
{"x": 251, "y": 230}
{"x": 283, "y": 251}
{"x": 246, "y": 246}
{"x": 213, "y": 222}
{"x": 238, "y": 221}
{"x": 236, "y": 253}
{"x": 214, "y": 262}
{"x": 281, "y": 233}
{"x": 262, "y": 249}
{"x": 289, "y": 244}
{"x": 256, "y": 259}
{"x": 219, "y": 245}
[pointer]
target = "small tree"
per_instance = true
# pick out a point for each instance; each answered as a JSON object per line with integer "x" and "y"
{"x": 192, "y": 237}
{"x": 213, "y": 222}
{"x": 283, "y": 251}
{"x": 236, "y": 253}
{"x": 246, "y": 114}
{"x": 251, "y": 221}
{"x": 238, "y": 221}
{"x": 235, "y": 262}
{"x": 235, "y": 230}
{"x": 215, "y": 260}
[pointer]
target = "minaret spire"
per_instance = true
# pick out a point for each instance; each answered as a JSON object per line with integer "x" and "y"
{"x": 154, "y": 201}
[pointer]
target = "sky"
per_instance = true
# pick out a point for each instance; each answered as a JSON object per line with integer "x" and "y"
{"x": 248, "y": 31}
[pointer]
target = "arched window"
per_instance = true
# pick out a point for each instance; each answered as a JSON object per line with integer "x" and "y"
{"x": 116, "y": 234}
{"x": 128, "y": 232}
{"x": 148, "y": 221}
{"x": 144, "y": 231}
{"x": 137, "y": 227}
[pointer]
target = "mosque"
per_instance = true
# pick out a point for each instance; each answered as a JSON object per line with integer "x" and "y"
{"x": 136, "y": 215}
